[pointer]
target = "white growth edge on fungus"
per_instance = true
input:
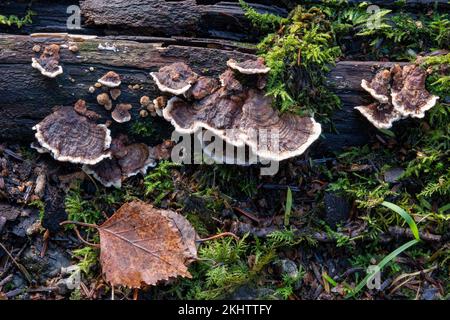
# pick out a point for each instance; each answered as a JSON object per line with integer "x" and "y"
{"x": 35, "y": 64}
{"x": 234, "y": 65}
{"x": 164, "y": 88}
{"x": 109, "y": 84}
{"x": 317, "y": 130}
{"x": 405, "y": 113}
{"x": 56, "y": 154}
{"x": 115, "y": 183}
{"x": 376, "y": 123}
{"x": 380, "y": 97}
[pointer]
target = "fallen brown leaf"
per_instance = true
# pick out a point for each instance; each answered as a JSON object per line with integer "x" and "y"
{"x": 141, "y": 244}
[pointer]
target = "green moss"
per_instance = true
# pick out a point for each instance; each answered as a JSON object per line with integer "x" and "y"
{"x": 13, "y": 20}
{"x": 79, "y": 209}
{"x": 88, "y": 257}
{"x": 159, "y": 182}
{"x": 299, "y": 55}
{"x": 40, "y": 205}
{"x": 143, "y": 127}
{"x": 265, "y": 22}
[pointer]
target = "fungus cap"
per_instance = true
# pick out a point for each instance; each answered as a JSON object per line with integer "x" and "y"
{"x": 121, "y": 113}
{"x": 72, "y": 137}
{"x": 379, "y": 86}
{"x": 110, "y": 80}
{"x": 380, "y": 115}
{"x": 249, "y": 66}
{"x": 104, "y": 100}
{"x": 411, "y": 97}
{"x": 137, "y": 160}
{"x": 251, "y": 121}
{"x": 203, "y": 87}
{"x": 115, "y": 93}
{"x": 229, "y": 82}
{"x": 176, "y": 78}
{"x": 48, "y": 62}
{"x": 107, "y": 172}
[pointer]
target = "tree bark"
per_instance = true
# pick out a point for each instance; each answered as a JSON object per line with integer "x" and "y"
{"x": 198, "y": 18}
{"x": 222, "y": 19}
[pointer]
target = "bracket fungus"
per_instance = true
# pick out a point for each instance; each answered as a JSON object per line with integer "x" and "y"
{"x": 381, "y": 115}
{"x": 251, "y": 121}
{"x": 400, "y": 92}
{"x": 107, "y": 172}
{"x": 176, "y": 78}
{"x": 48, "y": 62}
{"x": 242, "y": 116}
{"x": 127, "y": 160}
{"x": 159, "y": 104}
{"x": 121, "y": 113}
{"x": 115, "y": 93}
{"x": 70, "y": 136}
{"x": 81, "y": 108}
{"x": 203, "y": 87}
{"x": 137, "y": 159}
{"x": 249, "y": 66}
{"x": 379, "y": 87}
{"x": 410, "y": 97}
{"x": 110, "y": 80}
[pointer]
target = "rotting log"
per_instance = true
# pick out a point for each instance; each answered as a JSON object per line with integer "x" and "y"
{"x": 224, "y": 19}
{"x": 26, "y": 97}
{"x": 199, "y": 18}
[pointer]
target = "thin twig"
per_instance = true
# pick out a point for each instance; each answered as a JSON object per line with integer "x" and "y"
{"x": 247, "y": 214}
{"x": 96, "y": 245}
{"x": 18, "y": 265}
{"x": 78, "y": 223}
{"x": 220, "y": 235}
{"x": 6, "y": 280}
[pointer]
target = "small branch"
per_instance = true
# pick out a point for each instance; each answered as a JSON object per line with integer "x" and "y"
{"x": 82, "y": 224}
{"x": 6, "y": 280}
{"x": 220, "y": 235}
{"x": 247, "y": 214}
{"x": 18, "y": 265}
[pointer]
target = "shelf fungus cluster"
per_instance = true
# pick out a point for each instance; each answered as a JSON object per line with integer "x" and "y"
{"x": 121, "y": 112}
{"x": 127, "y": 160}
{"x": 235, "y": 109}
{"x": 399, "y": 93}
{"x": 71, "y": 134}
{"x": 48, "y": 62}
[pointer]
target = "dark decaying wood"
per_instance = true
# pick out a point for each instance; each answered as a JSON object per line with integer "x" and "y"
{"x": 199, "y": 18}
{"x": 224, "y": 19}
{"x": 26, "y": 97}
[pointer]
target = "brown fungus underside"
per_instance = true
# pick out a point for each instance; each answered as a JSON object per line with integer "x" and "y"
{"x": 243, "y": 116}
{"x": 127, "y": 160}
{"x": 400, "y": 92}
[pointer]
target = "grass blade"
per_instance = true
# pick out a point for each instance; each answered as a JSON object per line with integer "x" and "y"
{"x": 287, "y": 211}
{"x": 409, "y": 220}
{"x": 383, "y": 263}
